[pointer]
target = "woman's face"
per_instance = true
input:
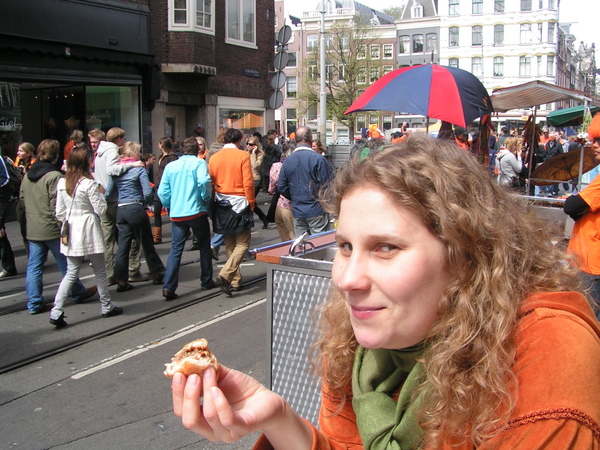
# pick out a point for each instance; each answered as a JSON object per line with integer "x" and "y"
{"x": 22, "y": 154}
{"x": 389, "y": 268}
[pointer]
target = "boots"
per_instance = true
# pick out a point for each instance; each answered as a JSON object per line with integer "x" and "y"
{"x": 157, "y": 235}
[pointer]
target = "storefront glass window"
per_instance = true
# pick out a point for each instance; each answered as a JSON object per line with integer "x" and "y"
{"x": 247, "y": 121}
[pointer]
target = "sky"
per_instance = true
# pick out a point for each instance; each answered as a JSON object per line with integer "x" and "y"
{"x": 583, "y": 14}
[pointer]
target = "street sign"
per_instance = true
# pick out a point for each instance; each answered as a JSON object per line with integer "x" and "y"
{"x": 276, "y": 100}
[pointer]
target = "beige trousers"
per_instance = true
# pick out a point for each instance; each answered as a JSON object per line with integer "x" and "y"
{"x": 237, "y": 244}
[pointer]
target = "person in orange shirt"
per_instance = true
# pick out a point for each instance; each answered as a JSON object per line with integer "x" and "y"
{"x": 233, "y": 186}
{"x": 447, "y": 325}
{"x": 584, "y": 208}
{"x": 374, "y": 132}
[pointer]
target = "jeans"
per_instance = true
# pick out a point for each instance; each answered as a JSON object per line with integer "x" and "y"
{"x": 179, "y": 232}
{"x": 313, "y": 225}
{"x": 132, "y": 220}
{"x": 73, "y": 265}
{"x": 34, "y": 286}
{"x": 217, "y": 240}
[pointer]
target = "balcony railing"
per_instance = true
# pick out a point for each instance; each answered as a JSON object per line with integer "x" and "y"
{"x": 336, "y": 12}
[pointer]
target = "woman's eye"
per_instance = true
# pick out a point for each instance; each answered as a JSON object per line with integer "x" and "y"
{"x": 345, "y": 248}
{"x": 385, "y": 248}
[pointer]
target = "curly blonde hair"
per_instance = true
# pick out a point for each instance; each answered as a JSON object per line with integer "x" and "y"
{"x": 497, "y": 255}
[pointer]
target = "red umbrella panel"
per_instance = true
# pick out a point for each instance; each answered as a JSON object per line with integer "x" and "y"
{"x": 439, "y": 92}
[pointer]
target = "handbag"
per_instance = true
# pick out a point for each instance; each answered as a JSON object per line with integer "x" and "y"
{"x": 64, "y": 229}
{"x": 273, "y": 207}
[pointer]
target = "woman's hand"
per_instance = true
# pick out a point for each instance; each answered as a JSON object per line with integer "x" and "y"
{"x": 233, "y": 406}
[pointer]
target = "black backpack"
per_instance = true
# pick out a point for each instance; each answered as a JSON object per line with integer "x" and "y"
{"x": 14, "y": 178}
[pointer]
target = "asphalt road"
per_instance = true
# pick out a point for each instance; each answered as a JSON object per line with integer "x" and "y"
{"x": 110, "y": 392}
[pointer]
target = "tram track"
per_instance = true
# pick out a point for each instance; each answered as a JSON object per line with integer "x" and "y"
{"x": 111, "y": 331}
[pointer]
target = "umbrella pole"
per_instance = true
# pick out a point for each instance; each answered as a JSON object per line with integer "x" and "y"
{"x": 427, "y": 126}
{"x": 531, "y": 149}
{"x": 585, "y": 111}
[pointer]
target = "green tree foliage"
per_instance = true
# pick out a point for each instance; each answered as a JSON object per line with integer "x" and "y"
{"x": 394, "y": 11}
{"x": 348, "y": 71}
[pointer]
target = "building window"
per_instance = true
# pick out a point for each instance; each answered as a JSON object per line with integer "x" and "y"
{"x": 192, "y": 15}
{"x": 430, "y": 42}
{"x": 525, "y": 66}
{"x": 387, "y": 121}
{"x": 551, "y": 5}
{"x": 498, "y": 6}
{"x": 375, "y": 51}
{"x": 388, "y": 51}
{"x": 311, "y": 112}
{"x": 418, "y": 43}
{"x": 311, "y": 43}
{"x": 550, "y": 66}
{"x": 416, "y": 12}
{"x": 291, "y": 86}
{"x": 360, "y": 122}
{"x": 312, "y": 70}
{"x": 404, "y": 45}
{"x": 540, "y": 32}
{"x": 329, "y": 69}
{"x": 525, "y": 33}
{"x": 361, "y": 76}
{"x": 551, "y": 32}
{"x": 454, "y": 7}
{"x": 525, "y": 5}
{"x": 453, "y": 36}
{"x": 498, "y": 66}
{"x": 477, "y": 35}
{"x": 373, "y": 74}
{"x": 539, "y": 66}
{"x": 453, "y": 62}
{"x": 292, "y": 61}
{"x": 476, "y": 67}
{"x": 498, "y": 34}
{"x": 477, "y": 6}
{"x": 291, "y": 120}
{"x": 387, "y": 69}
{"x": 241, "y": 22}
{"x": 361, "y": 52}
{"x": 342, "y": 72}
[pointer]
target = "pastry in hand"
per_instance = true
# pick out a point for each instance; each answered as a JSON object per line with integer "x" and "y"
{"x": 194, "y": 357}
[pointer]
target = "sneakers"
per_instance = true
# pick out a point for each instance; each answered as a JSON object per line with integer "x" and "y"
{"x": 124, "y": 287}
{"x": 113, "y": 312}
{"x": 225, "y": 286}
{"x": 138, "y": 277}
{"x": 169, "y": 295}
{"x": 60, "y": 322}
{"x": 6, "y": 274}
{"x": 40, "y": 309}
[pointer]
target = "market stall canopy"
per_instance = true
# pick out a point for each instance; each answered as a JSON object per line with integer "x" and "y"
{"x": 564, "y": 167}
{"x": 570, "y": 116}
{"x": 535, "y": 93}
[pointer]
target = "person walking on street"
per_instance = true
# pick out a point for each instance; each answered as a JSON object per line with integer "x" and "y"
{"x": 303, "y": 173}
{"x": 134, "y": 192}
{"x": 37, "y": 210}
{"x": 185, "y": 190}
{"x": 233, "y": 187}
{"x": 80, "y": 202}
{"x": 108, "y": 164}
{"x": 166, "y": 148}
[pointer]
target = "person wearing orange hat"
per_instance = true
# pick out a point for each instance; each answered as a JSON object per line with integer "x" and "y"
{"x": 584, "y": 209}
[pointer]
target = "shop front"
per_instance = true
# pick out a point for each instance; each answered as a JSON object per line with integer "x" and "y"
{"x": 97, "y": 73}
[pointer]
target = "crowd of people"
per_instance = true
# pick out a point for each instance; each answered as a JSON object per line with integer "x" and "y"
{"x": 104, "y": 201}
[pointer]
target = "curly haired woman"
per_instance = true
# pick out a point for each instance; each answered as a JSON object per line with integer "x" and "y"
{"x": 450, "y": 326}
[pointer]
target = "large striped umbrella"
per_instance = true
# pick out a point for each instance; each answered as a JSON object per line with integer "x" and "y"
{"x": 430, "y": 90}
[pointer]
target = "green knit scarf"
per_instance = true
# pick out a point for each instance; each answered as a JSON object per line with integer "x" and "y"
{"x": 382, "y": 422}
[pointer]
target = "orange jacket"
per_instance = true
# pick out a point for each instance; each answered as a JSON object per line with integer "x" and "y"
{"x": 231, "y": 173}
{"x": 558, "y": 399}
{"x": 584, "y": 241}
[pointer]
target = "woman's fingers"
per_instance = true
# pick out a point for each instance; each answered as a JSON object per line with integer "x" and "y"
{"x": 217, "y": 411}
